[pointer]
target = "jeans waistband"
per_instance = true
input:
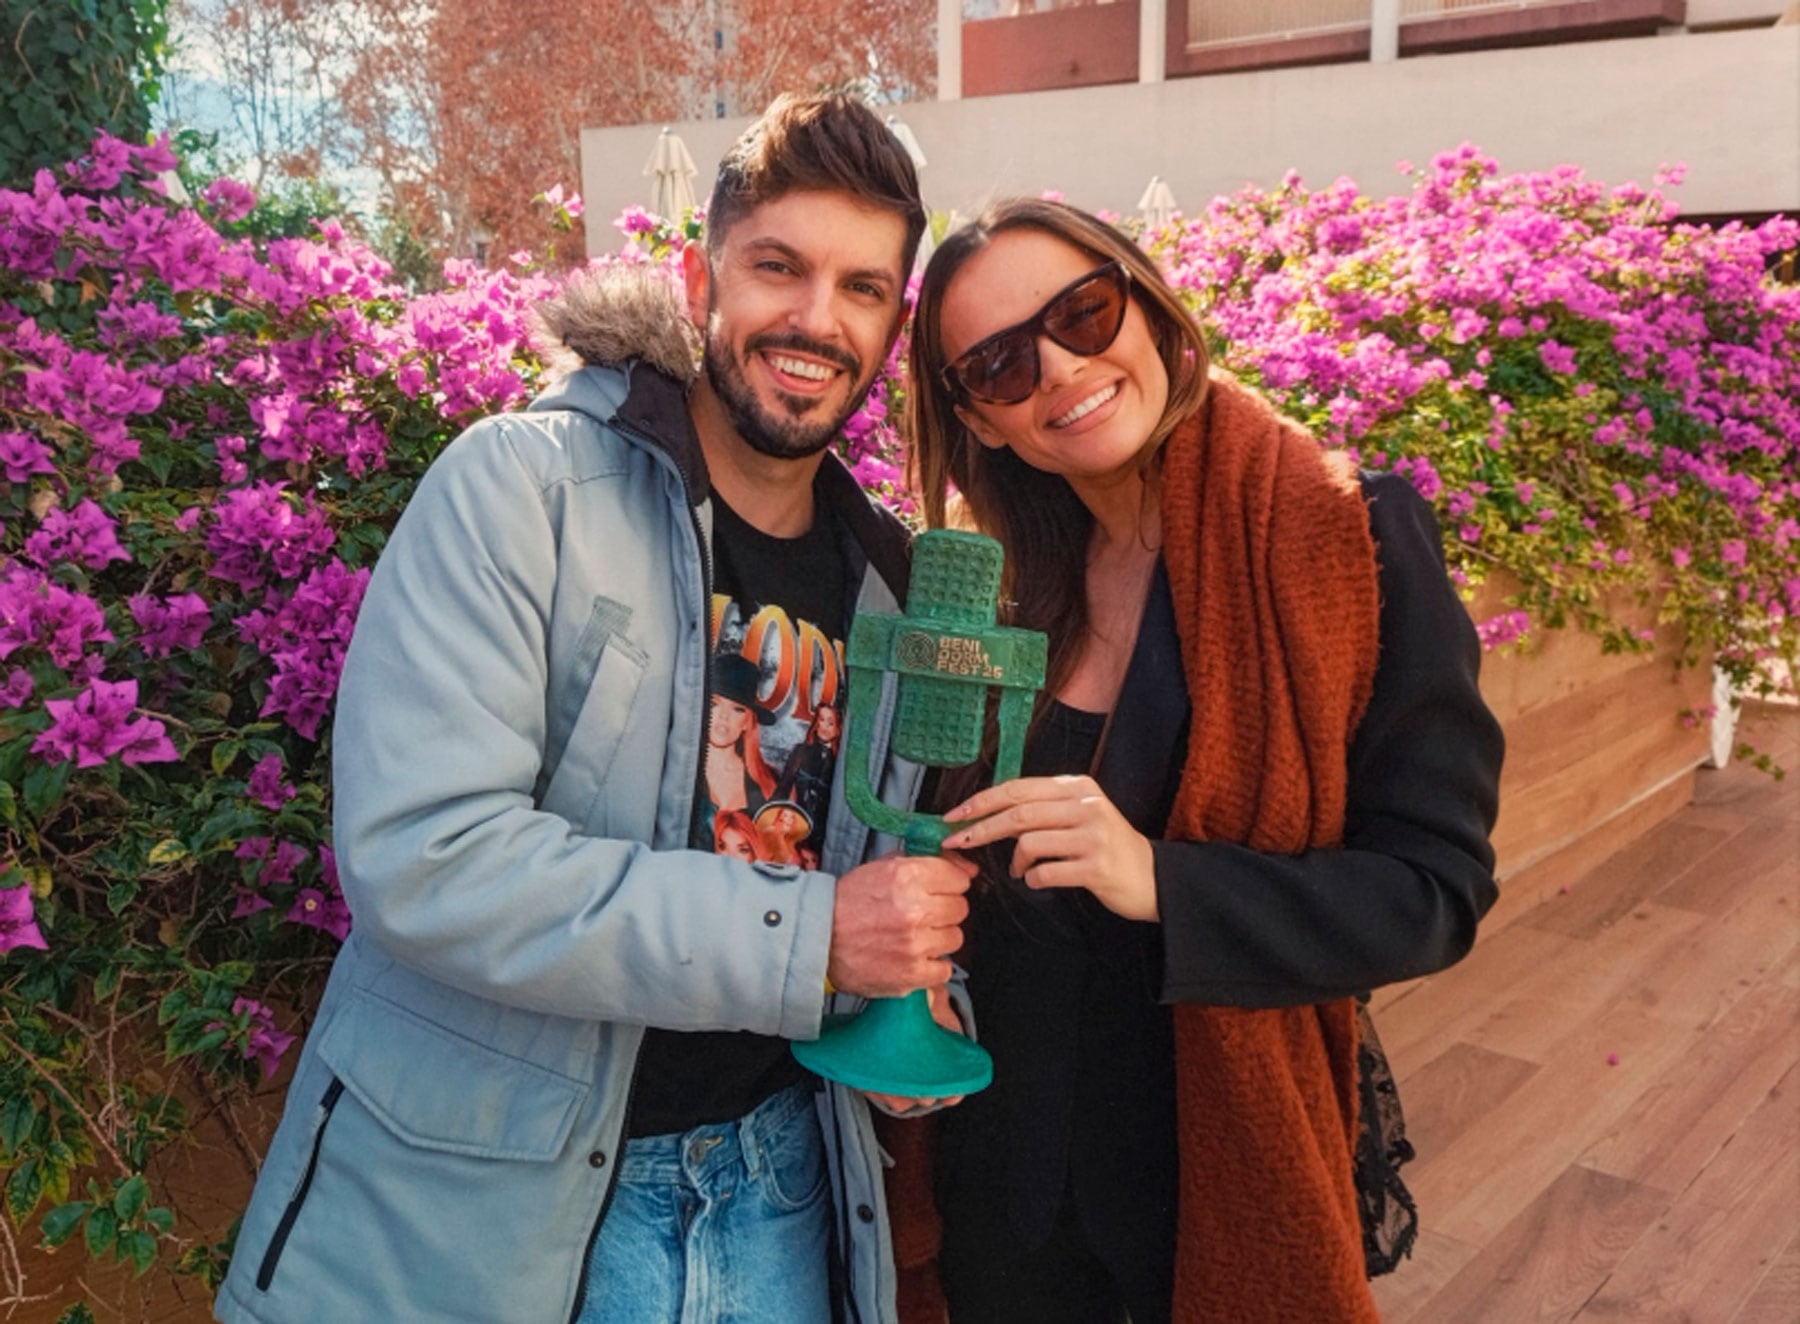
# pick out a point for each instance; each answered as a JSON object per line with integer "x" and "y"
{"x": 694, "y": 1155}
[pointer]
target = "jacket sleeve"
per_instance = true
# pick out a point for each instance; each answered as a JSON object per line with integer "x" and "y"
{"x": 1403, "y": 896}
{"x": 447, "y": 863}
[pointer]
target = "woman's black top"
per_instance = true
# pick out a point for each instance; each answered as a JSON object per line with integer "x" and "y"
{"x": 1073, "y": 1001}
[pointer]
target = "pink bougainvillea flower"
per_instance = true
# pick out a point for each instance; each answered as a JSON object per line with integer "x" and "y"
{"x": 263, "y": 1043}
{"x": 86, "y": 534}
{"x": 170, "y": 625}
{"x": 22, "y": 455}
{"x": 17, "y": 689}
{"x": 280, "y": 859}
{"x": 230, "y": 201}
{"x": 266, "y": 786}
{"x": 249, "y": 902}
{"x": 317, "y": 909}
{"x": 98, "y": 724}
{"x": 18, "y": 921}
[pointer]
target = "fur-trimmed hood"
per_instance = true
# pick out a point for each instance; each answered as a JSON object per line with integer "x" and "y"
{"x": 612, "y": 313}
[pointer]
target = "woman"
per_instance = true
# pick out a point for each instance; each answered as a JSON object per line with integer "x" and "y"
{"x": 734, "y": 834}
{"x": 737, "y": 777}
{"x": 1260, "y": 781}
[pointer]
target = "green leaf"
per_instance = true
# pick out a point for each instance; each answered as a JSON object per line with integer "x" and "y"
{"x": 142, "y": 1250}
{"x": 9, "y": 804}
{"x": 173, "y": 1004}
{"x": 14, "y": 756}
{"x": 159, "y": 1218}
{"x": 76, "y": 1314}
{"x": 167, "y": 852}
{"x": 131, "y": 1197}
{"x": 102, "y": 1231}
{"x": 224, "y": 754}
{"x": 24, "y": 1190}
{"x": 60, "y": 1223}
{"x": 106, "y": 983}
{"x": 17, "y": 1115}
{"x": 44, "y": 787}
{"x": 120, "y": 895}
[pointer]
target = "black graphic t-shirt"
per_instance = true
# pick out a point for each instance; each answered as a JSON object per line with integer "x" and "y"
{"x": 777, "y": 708}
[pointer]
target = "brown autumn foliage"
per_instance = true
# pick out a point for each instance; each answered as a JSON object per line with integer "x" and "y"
{"x": 464, "y": 110}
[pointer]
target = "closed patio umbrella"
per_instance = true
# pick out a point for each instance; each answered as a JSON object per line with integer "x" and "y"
{"x": 1158, "y": 205}
{"x": 672, "y": 172}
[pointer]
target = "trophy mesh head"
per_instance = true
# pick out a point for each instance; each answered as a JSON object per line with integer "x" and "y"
{"x": 955, "y": 577}
{"x": 937, "y": 723}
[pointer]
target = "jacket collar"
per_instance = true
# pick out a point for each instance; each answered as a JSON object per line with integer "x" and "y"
{"x": 655, "y": 407}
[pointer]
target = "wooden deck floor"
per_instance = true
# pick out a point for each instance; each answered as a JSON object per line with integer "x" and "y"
{"x": 1604, "y": 1095}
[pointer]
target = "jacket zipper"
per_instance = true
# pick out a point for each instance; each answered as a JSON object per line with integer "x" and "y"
{"x": 706, "y": 574}
{"x": 265, "y": 1273}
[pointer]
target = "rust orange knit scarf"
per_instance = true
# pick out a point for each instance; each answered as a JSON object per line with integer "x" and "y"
{"x": 1272, "y": 567}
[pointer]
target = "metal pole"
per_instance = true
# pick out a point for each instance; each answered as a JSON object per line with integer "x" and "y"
{"x": 1384, "y": 31}
{"x": 1153, "y": 40}
{"x": 949, "y": 24}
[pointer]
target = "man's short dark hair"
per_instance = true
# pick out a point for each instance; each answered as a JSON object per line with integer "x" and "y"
{"x": 829, "y": 141}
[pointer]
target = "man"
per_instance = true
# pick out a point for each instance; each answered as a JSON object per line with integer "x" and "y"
{"x": 550, "y": 1078}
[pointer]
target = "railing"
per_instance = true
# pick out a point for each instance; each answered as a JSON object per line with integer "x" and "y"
{"x": 1212, "y": 23}
{"x": 1232, "y": 22}
{"x": 1413, "y": 11}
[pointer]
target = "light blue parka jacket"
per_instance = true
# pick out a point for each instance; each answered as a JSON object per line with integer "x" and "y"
{"x": 517, "y": 756}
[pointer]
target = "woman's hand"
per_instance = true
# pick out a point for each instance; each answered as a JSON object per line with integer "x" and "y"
{"x": 1070, "y": 835}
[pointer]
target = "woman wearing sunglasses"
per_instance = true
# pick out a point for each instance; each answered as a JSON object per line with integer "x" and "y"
{"x": 1259, "y": 782}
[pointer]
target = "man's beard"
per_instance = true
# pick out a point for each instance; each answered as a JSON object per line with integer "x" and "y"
{"x": 791, "y": 435}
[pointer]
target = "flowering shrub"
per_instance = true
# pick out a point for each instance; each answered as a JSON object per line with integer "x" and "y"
{"x": 205, "y": 444}
{"x": 1594, "y": 398}
{"x": 206, "y": 441}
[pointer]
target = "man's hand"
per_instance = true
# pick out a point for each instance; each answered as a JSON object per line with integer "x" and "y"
{"x": 896, "y": 921}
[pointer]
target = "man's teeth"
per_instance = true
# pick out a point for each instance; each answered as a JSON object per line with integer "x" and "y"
{"x": 816, "y": 372}
{"x": 1086, "y": 407}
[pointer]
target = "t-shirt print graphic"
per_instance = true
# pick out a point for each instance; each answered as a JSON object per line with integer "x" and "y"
{"x": 772, "y": 735}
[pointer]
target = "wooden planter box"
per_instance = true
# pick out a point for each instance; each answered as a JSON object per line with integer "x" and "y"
{"x": 1597, "y": 752}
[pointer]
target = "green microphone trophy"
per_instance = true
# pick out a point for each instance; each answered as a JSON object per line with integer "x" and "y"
{"x": 947, "y": 653}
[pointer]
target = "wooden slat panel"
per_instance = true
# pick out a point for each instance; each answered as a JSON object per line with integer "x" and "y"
{"x": 1447, "y": 1007}
{"x": 1494, "y": 1173}
{"x": 1705, "y": 1254}
{"x": 1635, "y": 874}
{"x": 1776, "y": 1298}
{"x": 1455, "y": 1091}
{"x": 1404, "y": 1296}
{"x": 1679, "y": 1125}
{"x": 1080, "y": 47}
{"x": 1523, "y": 890}
{"x": 1549, "y": 1259}
{"x": 1551, "y": 1007}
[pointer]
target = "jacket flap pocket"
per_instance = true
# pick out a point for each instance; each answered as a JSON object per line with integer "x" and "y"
{"x": 438, "y": 1090}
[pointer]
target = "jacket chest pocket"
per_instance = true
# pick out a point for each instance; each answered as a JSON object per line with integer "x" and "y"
{"x": 590, "y": 716}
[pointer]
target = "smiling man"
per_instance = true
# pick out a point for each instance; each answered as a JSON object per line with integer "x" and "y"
{"x": 551, "y": 1077}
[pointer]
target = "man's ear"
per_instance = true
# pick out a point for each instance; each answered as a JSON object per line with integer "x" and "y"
{"x": 696, "y": 280}
{"x": 982, "y": 430}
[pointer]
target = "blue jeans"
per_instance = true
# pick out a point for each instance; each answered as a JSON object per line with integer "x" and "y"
{"x": 724, "y": 1224}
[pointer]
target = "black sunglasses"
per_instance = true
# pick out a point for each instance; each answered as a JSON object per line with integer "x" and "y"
{"x": 1083, "y": 317}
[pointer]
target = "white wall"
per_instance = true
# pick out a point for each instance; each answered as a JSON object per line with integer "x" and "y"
{"x": 1727, "y": 104}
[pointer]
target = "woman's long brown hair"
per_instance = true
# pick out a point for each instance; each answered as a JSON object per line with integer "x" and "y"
{"x": 1036, "y": 516}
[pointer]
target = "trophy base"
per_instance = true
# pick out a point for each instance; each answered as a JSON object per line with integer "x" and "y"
{"x": 893, "y": 1046}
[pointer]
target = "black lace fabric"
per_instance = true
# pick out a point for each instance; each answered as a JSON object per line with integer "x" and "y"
{"x": 1390, "y": 1216}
